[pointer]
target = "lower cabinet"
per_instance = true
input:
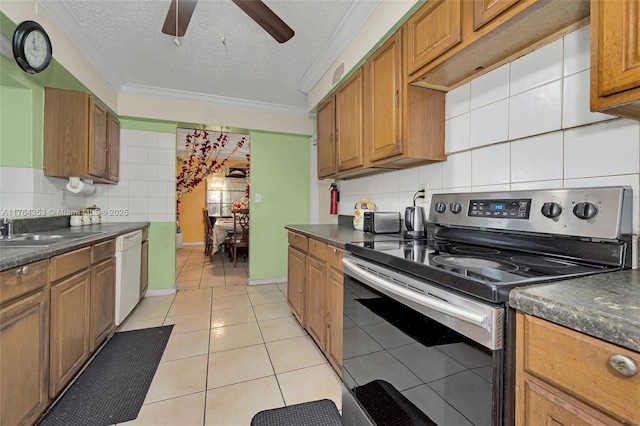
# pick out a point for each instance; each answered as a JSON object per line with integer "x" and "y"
{"x": 24, "y": 351}
{"x": 103, "y": 302}
{"x": 316, "y": 274}
{"x": 564, "y": 377}
{"x": 70, "y": 309}
{"x": 83, "y": 298}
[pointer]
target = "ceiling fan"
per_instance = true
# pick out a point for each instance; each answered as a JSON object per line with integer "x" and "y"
{"x": 180, "y": 12}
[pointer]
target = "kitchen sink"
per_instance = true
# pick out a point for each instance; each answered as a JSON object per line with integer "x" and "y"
{"x": 44, "y": 239}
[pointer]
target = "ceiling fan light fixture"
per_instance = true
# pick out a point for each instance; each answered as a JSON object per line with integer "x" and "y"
{"x": 266, "y": 18}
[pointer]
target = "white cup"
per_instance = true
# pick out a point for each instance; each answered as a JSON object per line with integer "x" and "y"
{"x": 76, "y": 220}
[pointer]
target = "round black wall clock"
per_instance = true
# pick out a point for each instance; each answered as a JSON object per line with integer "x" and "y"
{"x": 31, "y": 47}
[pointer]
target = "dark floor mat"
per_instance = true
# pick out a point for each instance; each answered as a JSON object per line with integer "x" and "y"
{"x": 114, "y": 385}
{"x": 314, "y": 413}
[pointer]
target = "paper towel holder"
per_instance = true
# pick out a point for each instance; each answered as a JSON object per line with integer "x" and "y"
{"x": 78, "y": 186}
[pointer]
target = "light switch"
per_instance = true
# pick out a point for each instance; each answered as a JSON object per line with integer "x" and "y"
{"x": 257, "y": 197}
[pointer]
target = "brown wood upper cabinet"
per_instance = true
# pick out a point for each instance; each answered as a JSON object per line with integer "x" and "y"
{"x": 81, "y": 138}
{"x": 349, "y": 123}
{"x": 404, "y": 124}
{"x": 326, "y": 119}
{"x": 615, "y": 57}
{"x": 449, "y": 42}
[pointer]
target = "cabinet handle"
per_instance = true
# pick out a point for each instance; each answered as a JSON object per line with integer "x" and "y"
{"x": 299, "y": 290}
{"x": 623, "y": 365}
{"x": 331, "y": 137}
{"x": 335, "y": 251}
{"x": 396, "y": 99}
{"x": 22, "y": 271}
{"x": 106, "y": 147}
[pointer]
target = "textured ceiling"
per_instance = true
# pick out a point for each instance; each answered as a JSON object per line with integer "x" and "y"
{"x": 224, "y": 54}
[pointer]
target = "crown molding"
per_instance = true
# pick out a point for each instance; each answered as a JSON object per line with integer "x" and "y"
{"x": 221, "y": 101}
{"x": 60, "y": 13}
{"x": 352, "y": 21}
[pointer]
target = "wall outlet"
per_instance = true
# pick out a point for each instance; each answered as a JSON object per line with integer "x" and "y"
{"x": 257, "y": 197}
{"x": 424, "y": 186}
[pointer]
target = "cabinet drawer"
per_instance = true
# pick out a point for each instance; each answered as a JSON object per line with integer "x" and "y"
{"x": 335, "y": 257}
{"x": 299, "y": 241}
{"x": 19, "y": 281}
{"x": 318, "y": 249}
{"x": 66, "y": 264}
{"x": 579, "y": 365}
{"x": 103, "y": 251}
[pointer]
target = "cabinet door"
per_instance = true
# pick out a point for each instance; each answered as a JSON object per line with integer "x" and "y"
{"x": 316, "y": 288}
{"x": 103, "y": 302}
{"x": 144, "y": 269}
{"x": 97, "y": 140}
{"x": 296, "y": 283}
{"x": 113, "y": 153}
{"x": 486, "y": 10}
{"x": 24, "y": 351}
{"x": 619, "y": 46}
{"x": 384, "y": 88}
{"x": 549, "y": 406}
{"x": 431, "y": 31}
{"x": 326, "y": 145}
{"x": 70, "y": 307}
{"x": 334, "y": 319}
{"x": 349, "y": 123}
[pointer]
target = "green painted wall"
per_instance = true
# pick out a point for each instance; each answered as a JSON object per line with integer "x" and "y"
{"x": 162, "y": 255}
{"x": 280, "y": 173}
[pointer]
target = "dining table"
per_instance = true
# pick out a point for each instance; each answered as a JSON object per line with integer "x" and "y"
{"x": 221, "y": 229}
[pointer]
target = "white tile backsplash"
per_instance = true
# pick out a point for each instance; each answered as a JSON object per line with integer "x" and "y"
{"x": 603, "y": 149}
{"x": 490, "y": 88}
{"x": 536, "y": 111}
{"x": 538, "y": 68}
{"x": 576, "y": 51}
{"x": 491, "y": 165}
{"x": 575, "y": 102}
{"x": 523, "y": 145}
{"x": 457, "y": 133}
{"x": 489, "y": 124}
{"x": 537, "y": 158}
{"x": 458, "y": 101}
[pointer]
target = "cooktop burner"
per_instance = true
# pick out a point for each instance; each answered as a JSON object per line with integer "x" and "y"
{"x": 470, "y": 262}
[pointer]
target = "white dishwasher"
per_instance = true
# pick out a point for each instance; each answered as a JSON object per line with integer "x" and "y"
{"x": 128, "y": 256}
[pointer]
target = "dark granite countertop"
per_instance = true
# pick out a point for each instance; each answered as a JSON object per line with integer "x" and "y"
{"x": 13, "y": 257}
{"x": 606, "y": 306}
{"x": 339, "y": 235}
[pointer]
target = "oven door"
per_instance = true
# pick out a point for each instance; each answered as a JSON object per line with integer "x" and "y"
{"x": 415, "y": 354}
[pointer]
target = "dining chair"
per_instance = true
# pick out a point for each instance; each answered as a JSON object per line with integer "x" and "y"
{"x": 208, "y": 233}
{"x": 240, "y": 233}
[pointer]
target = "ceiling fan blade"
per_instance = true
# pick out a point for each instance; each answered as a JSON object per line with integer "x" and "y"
{"x": 266, "y": 18}
{"x": 185, "y": 10}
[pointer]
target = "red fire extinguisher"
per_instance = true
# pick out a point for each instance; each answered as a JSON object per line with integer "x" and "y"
{"x": 335, "y": 198}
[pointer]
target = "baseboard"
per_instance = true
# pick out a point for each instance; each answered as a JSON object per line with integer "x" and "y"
{"x": 160, "y": 292}
{"x": 281, "y": 280}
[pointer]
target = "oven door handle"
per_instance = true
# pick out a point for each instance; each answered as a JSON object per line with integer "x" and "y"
{"x": 433, "y": 303}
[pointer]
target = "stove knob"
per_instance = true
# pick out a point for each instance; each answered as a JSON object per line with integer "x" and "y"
{"x": 585, "y": 210}
{"x": 441, "y": 207}
{"x": 455, "y": 208}
{"x": 551, "y": 210}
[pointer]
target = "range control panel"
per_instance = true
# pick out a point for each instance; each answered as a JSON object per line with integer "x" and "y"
{"x": 511, "y": 208}
{"x": 604, "y": 212}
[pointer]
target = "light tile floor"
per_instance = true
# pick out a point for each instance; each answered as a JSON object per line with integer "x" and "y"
{"x": 235, "y": 349}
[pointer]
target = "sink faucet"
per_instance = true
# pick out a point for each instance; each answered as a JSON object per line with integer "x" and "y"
{"x": 6, "y": 228}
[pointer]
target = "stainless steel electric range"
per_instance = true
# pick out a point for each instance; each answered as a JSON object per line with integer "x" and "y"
{"x": 428, "y": 337}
